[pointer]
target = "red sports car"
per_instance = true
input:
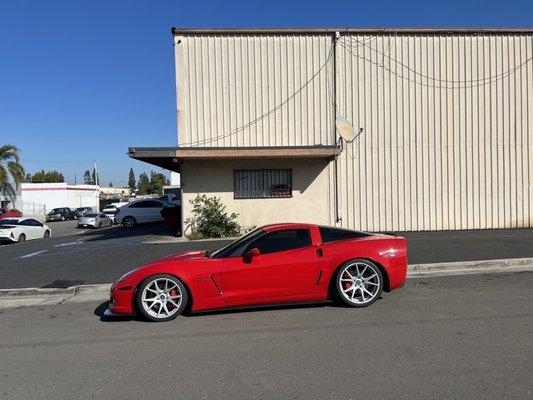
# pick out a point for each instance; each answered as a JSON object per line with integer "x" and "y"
{"x": 274, "y": 264}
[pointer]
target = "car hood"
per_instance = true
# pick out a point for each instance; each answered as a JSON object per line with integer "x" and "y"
{"x": 185, "y": 256}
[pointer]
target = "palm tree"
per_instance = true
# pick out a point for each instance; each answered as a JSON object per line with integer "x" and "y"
{"x": 10, "y": 167}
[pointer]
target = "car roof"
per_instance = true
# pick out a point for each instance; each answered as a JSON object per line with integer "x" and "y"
{"x": 287, "y": 225}
{"x": 17, "y": 218}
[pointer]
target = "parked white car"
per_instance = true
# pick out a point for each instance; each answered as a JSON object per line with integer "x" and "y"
{"x": 94, "y": 221}
{"x": 22, "y": 229}
{"x": 111, "y": 209}
{"x": 140, "y": 212}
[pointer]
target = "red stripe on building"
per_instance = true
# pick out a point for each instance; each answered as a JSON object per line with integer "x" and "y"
{"x": 61, "y": 188}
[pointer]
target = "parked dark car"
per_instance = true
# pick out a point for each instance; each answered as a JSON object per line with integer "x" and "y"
{"x": 81, "y": 211}
{"x": 61, "y": 214}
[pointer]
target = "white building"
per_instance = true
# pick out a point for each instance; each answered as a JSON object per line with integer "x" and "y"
{"x": 447, "y": 118}
{"x": 39, "y": 198}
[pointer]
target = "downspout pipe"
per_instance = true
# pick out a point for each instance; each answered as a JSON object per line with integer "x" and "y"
{"x": 338, "y": 206}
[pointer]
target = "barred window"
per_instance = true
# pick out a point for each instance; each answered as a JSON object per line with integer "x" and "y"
{"x": 262, "y": 183}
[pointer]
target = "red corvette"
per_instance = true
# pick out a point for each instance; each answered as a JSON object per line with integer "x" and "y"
{"x": 274, "y": 264}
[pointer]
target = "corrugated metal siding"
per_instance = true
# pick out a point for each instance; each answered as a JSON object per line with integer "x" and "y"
{"x": 227, "y": 81}
{"x": 447, "y": 119}
{"x": 443, "y": 146}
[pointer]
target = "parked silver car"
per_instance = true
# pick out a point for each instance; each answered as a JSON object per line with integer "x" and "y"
{"x": 94, "y": 221}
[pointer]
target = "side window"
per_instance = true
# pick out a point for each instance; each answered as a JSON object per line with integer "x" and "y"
{"x": 140, "y": 204}
{"x": 334, "y": 234}
{"x": 154, "y": 204}
{"x": 289, "y": 239}
{"x": 33, "y": 222}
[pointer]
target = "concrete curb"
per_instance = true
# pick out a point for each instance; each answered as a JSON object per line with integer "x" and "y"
{"x": 470, "y": 267}
{"x": 100, "y": 292}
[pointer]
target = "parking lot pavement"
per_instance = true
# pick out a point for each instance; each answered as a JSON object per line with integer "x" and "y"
{"x": 93, "y": 256}
{"x": 67, "y": 228}
{"x": 463, "y": 337}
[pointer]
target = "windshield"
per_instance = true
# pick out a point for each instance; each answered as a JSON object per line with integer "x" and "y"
{"x": 9, "y": 222}
{"x": 235, "y": 248}
{"x": 55, "y": 211}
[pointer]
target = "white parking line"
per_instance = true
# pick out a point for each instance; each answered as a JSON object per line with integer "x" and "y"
{"x": 69, "y": 243}
{"x": 33, "y": 254}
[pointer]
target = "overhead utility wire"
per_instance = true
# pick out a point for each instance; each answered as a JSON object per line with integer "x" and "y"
{"x": 270, "y": 112}
{"x": 462, "y": 84}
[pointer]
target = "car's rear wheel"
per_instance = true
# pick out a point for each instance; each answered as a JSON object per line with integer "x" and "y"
{"x": 161, "y": 298}
{"x": 46, "y": 234}
{"x": 359, "y": 283}
{"x": 22, "y": 238}
{"x": 129, "y": 222}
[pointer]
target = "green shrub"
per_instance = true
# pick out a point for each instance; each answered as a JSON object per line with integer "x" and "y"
{"x": 211, "y": 219}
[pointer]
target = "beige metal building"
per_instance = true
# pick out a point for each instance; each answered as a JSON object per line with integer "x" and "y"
{"x": 446, "y": 118}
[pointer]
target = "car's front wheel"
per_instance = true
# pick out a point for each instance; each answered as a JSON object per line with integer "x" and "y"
{"x": 161, "y": 298}
{"x": 359, "y": 283}
{"x": 129, "y": 222}
{"x": 22, "y": 238}
{"x": 46, "y": 234}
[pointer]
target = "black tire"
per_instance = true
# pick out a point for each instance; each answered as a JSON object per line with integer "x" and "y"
{"x": 46, "y": 234}
{"x": 100, "y": 224}
{"x": 148, "y": 282}
{"x": 129, "y": 222}
{"x": 22, "y": 238}
{"x": 353, "y": 291}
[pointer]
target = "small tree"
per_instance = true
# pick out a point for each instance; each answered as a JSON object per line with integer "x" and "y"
{"x": 157, "y": 181}
{"x": 144, "y": 183}
{"x": 95, "y": 177}
{"x": 47, "y": 177}
{"x": 212, "y": 220}
{"x": 87, "y": 178}
{"x": 131, "y": 180}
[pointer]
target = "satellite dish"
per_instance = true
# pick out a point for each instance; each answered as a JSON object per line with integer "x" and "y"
{"x": 346, "y": 129}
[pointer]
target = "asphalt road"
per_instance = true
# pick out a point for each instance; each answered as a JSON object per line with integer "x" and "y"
{"x": 103, "y": 255}
{"x": 462, "y": 337}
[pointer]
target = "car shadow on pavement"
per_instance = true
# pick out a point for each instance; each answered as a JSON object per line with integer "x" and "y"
{"x": 119, "y": 232}
{"x": 99, "y": 312}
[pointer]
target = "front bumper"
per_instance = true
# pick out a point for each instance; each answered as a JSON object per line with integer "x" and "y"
{"x": 86, "y": 225}
{"x": 109, "y": 314}
{"x": 121, "y": 299}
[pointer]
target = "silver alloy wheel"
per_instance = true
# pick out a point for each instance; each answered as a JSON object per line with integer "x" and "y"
{"x": 359, "y": 282}
{"x": 161, "y": 298}
{"x": 128, "y": 222}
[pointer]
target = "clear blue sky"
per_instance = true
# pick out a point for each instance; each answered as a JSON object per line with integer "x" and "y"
{"x": 83, "y": 80}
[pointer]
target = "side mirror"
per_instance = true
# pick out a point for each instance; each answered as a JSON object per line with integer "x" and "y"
{"x": 251, "y": 254}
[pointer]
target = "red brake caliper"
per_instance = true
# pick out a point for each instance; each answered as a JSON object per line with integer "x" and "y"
{"x": 173, "y": 293}
{"x": 346, "y": 285}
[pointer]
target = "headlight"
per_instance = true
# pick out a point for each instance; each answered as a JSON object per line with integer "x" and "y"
{"x": 126, "y": 275}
